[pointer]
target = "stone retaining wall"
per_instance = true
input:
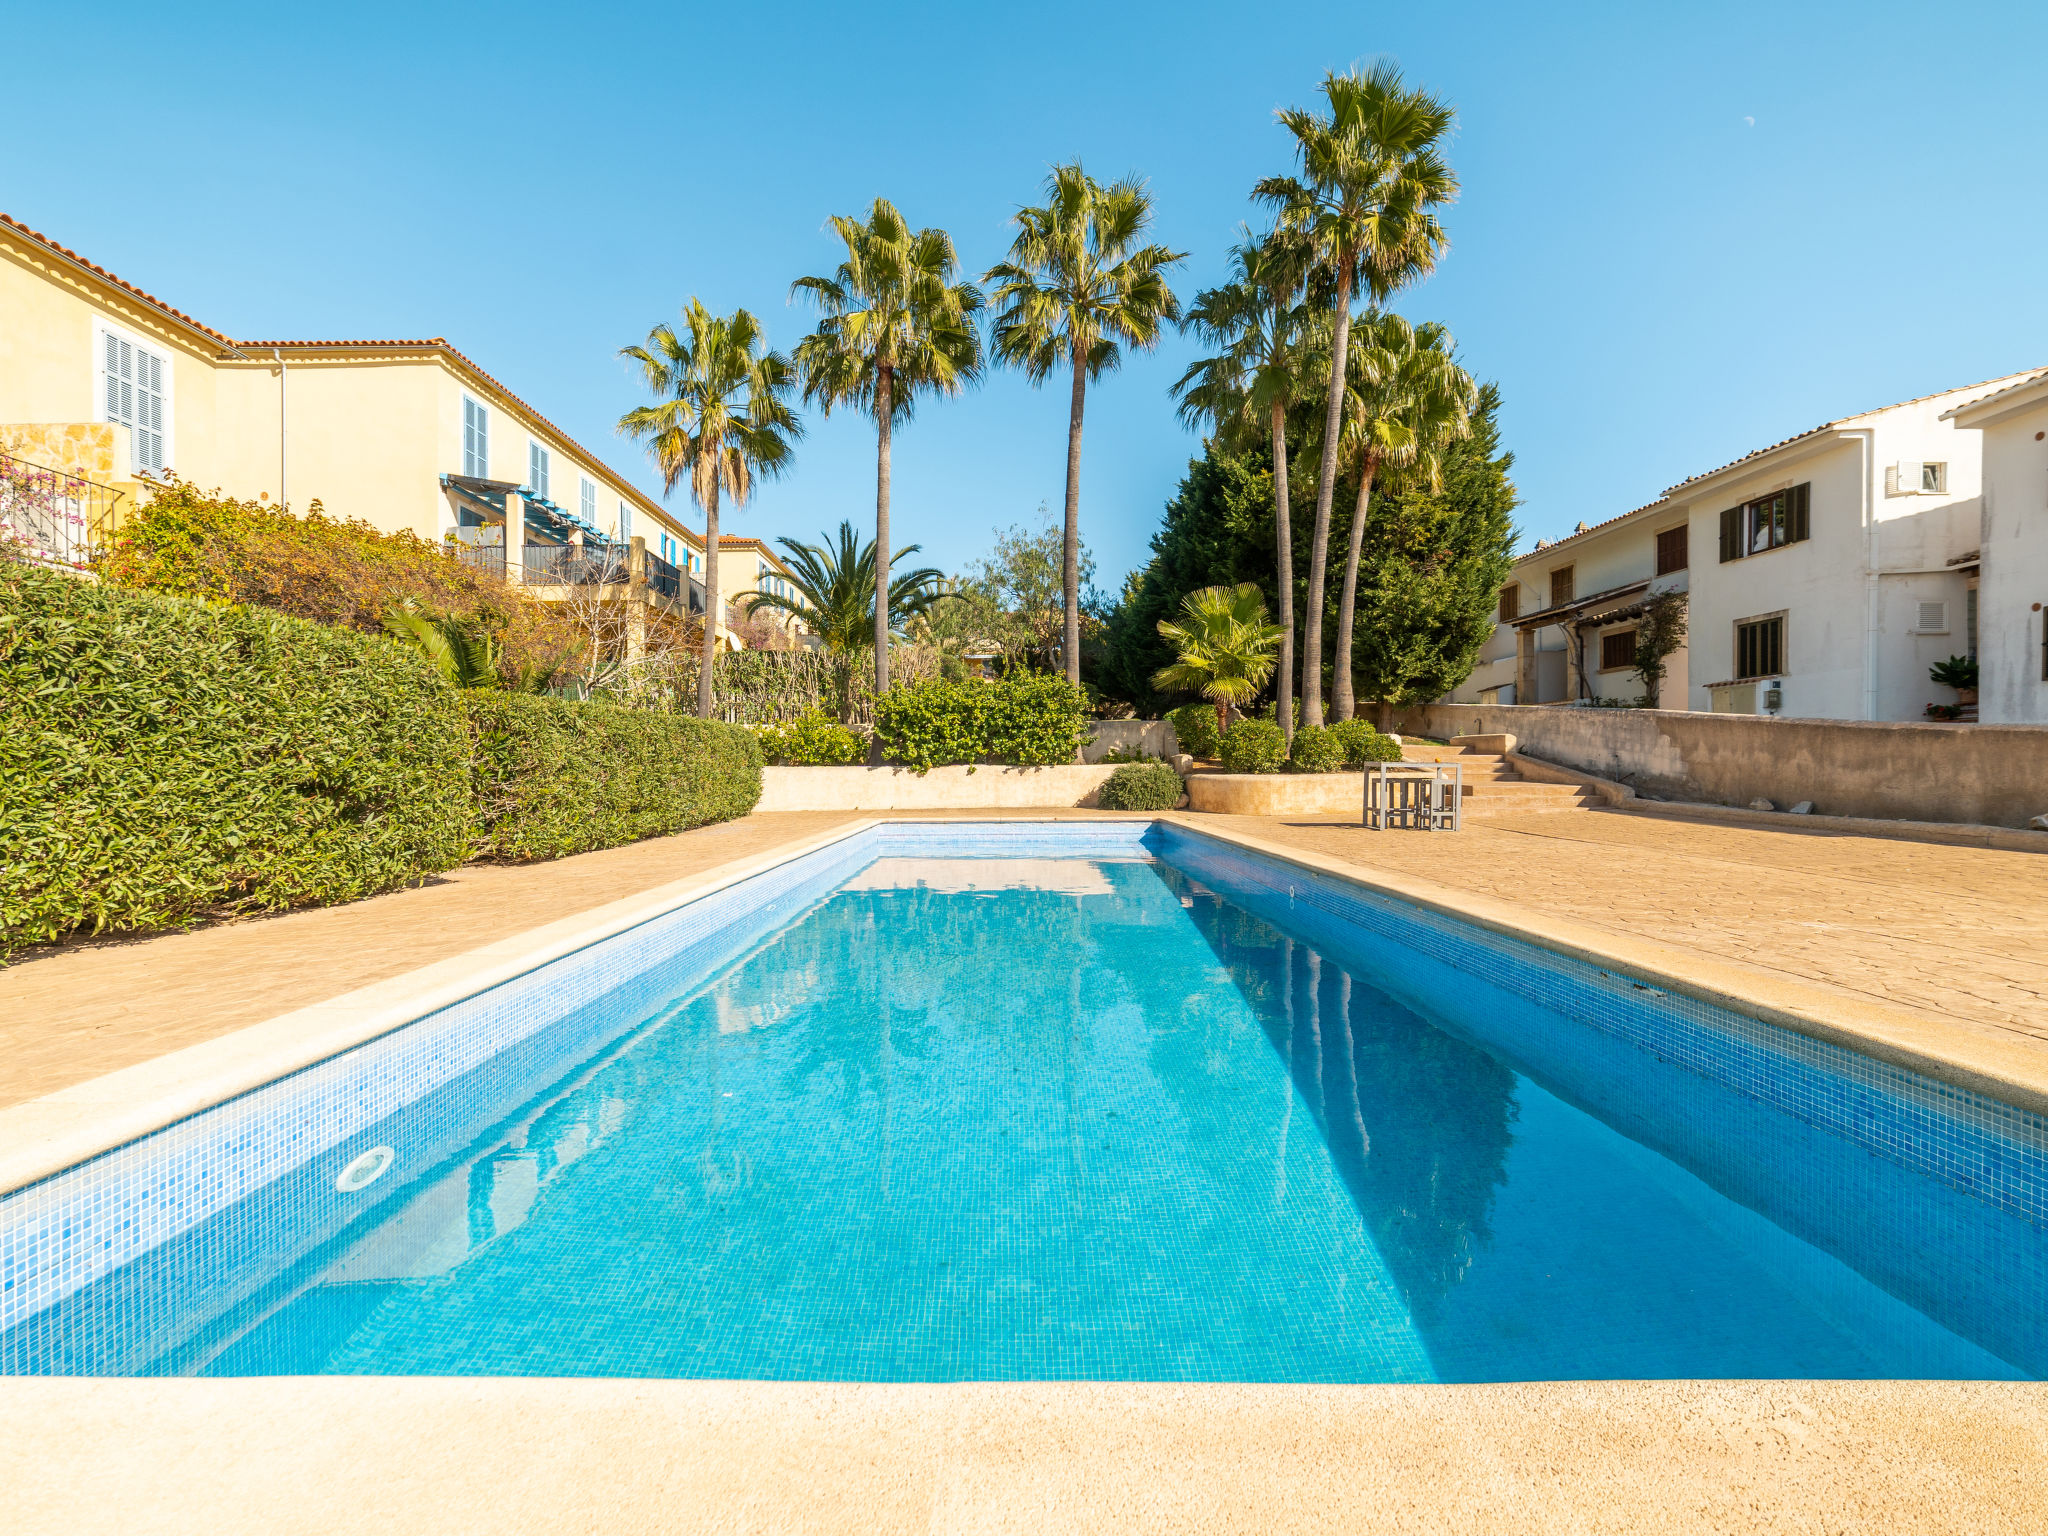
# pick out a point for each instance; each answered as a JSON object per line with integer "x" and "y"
{"x": 1996, "y": 775}
{"x": 981, "y": 787}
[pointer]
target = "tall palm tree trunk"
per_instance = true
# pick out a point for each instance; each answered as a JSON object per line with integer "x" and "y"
{"x": 1070, "y": 564}
{"x": 884, "y": 409}
{"x": 1347, "y": 604}
{"x": 1283, "y": 548}
{"x": 709, "y": 659}
{"x": 1326, "y": 491}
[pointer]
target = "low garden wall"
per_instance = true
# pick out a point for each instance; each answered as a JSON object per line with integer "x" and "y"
{"x": 983, "y": 786}
{"x": 1155, "y": 738}
{"x": 1994, "y": 775}
{"x": 1277, "y": 794}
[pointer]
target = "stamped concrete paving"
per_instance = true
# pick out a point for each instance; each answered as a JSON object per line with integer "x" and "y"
{"x": 507, "y": 1457}
{"x": 1956, "y": 933}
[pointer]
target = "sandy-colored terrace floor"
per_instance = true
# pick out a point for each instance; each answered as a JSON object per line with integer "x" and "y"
{"x": 1957, "y": 934}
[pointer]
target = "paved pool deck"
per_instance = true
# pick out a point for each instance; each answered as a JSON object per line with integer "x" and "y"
{"x": 1958, "y": 936}
{"x": 1946, "y": 944}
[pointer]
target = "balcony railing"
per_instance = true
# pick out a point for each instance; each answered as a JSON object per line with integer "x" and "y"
{"x": 482, "y": 549}
{"x": 573, "y": 565}
{"x": 670, "y": 582}
{"x": 57, "y": 518}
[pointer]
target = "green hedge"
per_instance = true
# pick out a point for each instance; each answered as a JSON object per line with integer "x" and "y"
{"x": 164, "y": 761}
{"x": 813, "y": 740}
{"x": 1316, "y": 750}
{"x": 1030, "y": 719}
{"x": 1362, "y": 744}
{"x": 1141, "y": 787}
{"x": 1253, "y": 746}
{"x": 1194, "y": 726}
{"x": 555, "y": 777}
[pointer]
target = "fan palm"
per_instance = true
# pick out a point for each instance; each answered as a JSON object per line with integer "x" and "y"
{"x": 1225, "y": 647}
{"x": 1373, "y": 176}
{"x": 893, "y": 325}
{"x": 1077, "y": 289}
{"x": 1405, "y": 402}
{"x": 1256, "y": 320}
{"x": 464, "y": 657}
{"x": 722, "y": 421}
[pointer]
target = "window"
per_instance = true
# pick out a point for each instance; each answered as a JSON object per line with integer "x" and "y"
{"x": 537, "y": 470}
{"x": 1934, "y": 477}
{"x": 1930, "y": 619}
{"x": 1760, "y": 647}
{"x": 1671, "y": 550}
{"x": 476, "y": 440}
{"x": 1561, "y": 586}
{"x": 1771, "y": 522}
{"x": 1617, "y": 650}
{"x": 137, "y": 387}
{"x": 1510, "y": 603}
{"x": 625, "y": 522}
{"x": 586, "y": 501}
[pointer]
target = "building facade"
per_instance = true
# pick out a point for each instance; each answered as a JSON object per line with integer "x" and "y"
{"x": 2012, "y": 564}
{"x": 1824, "y": 576}
{"x": 102, "y": 382}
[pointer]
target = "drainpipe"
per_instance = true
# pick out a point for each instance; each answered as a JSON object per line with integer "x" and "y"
{"x": 1867, "y": 436}
{"x": 283, "y": 424}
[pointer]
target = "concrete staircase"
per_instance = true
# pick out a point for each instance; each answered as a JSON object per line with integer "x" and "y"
{"x": 1494, "y": 788}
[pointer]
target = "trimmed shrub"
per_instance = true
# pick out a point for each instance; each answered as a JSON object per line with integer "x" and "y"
{"x": 813, "y": 741}
{"x": 1194, "y": 726}
{"x": 165, "y": 761}
{"x": 929, "y": 725}
{"x": 555, "y": 777}
{"x": 1253, "y": 746}
{"x": 1362, "y": 744}
{"x": 1030, "y": 719}
{"x": 1035, "y": 720}
{"x": 1316, "y": 750}
{"x": 1141, "y": 787}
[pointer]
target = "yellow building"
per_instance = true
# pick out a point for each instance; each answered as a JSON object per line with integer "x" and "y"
{"x": 108, "y": 384}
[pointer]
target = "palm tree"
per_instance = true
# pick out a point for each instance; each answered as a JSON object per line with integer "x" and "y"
{"x": 1405, "y": 402}
{"x": 723, "y": 420}
{"x": 464, "y": 657}
{"x": 1256, "y": 319}
{"x": 834, "y": 597}
{"x": 893, "y": 324}
{"x": 1225, "y": 647}
{"x": 1077, "y": 288}
{"x": 1373, "y": 176}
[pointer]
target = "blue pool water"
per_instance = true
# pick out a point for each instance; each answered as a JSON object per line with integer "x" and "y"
{"x": 1084, "y": 1118}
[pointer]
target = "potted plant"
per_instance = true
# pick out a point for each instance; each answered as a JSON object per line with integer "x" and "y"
{"x": 1959, "y": 673}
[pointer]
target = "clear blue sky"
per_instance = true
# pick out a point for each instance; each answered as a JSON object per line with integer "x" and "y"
{"x": 1685, "y": 231}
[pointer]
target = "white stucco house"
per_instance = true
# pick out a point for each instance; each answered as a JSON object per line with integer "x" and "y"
{"x": 2012, "y": 565}
{"x": 1568, "y": 614}
{"x": 1825, "y": 574}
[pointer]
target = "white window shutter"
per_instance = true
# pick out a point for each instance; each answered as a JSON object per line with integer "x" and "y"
{"x": 1909, "y": 477}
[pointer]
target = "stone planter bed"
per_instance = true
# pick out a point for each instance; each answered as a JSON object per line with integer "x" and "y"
{"x": 956, "y": 787}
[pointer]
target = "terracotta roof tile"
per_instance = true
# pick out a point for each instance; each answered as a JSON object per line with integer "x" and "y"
{"x": 431, "y": 343}
{"x": 1843, "y": 421}
{"x": 99, "y": 271}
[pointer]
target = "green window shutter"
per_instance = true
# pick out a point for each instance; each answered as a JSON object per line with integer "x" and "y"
{"x": 1797, "y": 517}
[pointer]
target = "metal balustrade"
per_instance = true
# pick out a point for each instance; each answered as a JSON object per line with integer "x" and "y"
{"x": 56, "y": 518}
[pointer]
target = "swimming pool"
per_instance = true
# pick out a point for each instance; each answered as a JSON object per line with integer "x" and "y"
{"x": 1106, "y": 1101}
